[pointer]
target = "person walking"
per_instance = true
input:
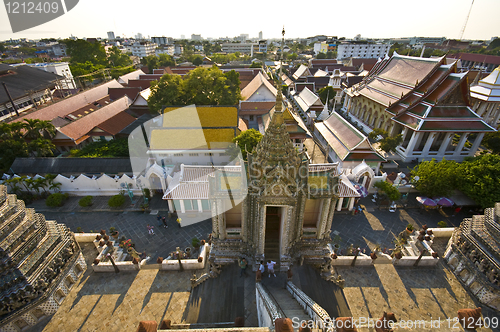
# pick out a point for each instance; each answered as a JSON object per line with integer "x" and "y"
{"x": 164, "y": 220}
{"x": 270, "y": 268}
{"x": 262, "y": 268}
{"x": 179, "y": 222}
{"x": 150, "y": 230}
{"x": 457, "y": 210}
{"x": 243, "y": 266}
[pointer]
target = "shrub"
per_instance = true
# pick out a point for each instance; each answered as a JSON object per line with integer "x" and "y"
{"x": 147, "y": 193}
{"x": 116, "y": 200}
{"x": 442, "y": 224}
{"x": 85, "y": 201}
{"x": 195, "y": 242}
{"x": 56, "y": 199}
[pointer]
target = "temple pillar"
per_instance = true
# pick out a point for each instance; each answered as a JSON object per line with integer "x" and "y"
{"x": 496, "y": 116}
{"x": 244, "y": 205}
{"x": 428, "y": 144}
{"x": 460, "y": 144}
{"x": 200, "y": 207}
{"x": 215, "y": 219}
{"x": 475, "y": 145}
{"x": 339, "y": 203}
{"x": 222, "y": 220}
{"x": 261, "y": 230}
{"x": 325, "y": 210}
{"x": 481, "y": 109}
{"x": 351, "y": 203}
{"x": 413, "y": 141}
{"x": 183, "y": 208}
{"x": 328, "y": 227}
{"x": 446, "y": 142}
{"x": 170, "y": 205}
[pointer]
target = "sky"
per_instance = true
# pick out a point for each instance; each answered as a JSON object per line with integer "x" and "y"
{"x": 217, "y": 18}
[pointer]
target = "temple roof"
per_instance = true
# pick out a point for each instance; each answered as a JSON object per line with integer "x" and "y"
{"x": 258, "y": 81}
{"x": 302, "y": 71}
{"x": 488, "y": 89}
{"x": 345, "y": 140}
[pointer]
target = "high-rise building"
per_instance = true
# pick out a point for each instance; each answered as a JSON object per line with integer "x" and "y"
{"x": 260, "y": 35}
{"x": 111, "y": 35}
{"x": 195, "y": 37}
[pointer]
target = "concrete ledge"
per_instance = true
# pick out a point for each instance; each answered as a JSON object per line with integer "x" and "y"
{"x": 85, "y": 237}
{"x": 187, "y": 264}
{"x": 409, "y": 261}
{"x": 442, "y": 232}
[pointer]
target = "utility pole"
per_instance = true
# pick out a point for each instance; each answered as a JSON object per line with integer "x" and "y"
{"x": 10, "y": 98}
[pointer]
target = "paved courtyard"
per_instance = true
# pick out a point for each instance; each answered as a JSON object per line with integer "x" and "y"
{"x": 119, "y": 301}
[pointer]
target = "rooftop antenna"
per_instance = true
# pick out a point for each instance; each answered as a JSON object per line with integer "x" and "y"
{"x": 281, "y": 57}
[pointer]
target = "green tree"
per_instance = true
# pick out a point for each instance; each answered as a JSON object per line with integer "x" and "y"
{"x": 201, "y": 86}
{"x": 118, "y": 59}
{"x": 436, "y": 178}
{"x": 82, "y": 51}
{"x": 41, "y": 147}
{"x": 166, "y": 92}
{"x": 197, "y": 60}
{"x": 166, "y": 60}
{"x": 151, "y": 61}
{"x": 325, "y": 92}
{"x": 321, "y": 55}
{"x": 2, "y": 47}
{"x": 247, "y": 141}
{"x": 390, "y": 143}
{"x": 479, "y": 178}
{"x": 374, "y": 135}
{"x": 392, "y": 192}
{"x": 256, "y": 64}
{"x": 492, "y": 140}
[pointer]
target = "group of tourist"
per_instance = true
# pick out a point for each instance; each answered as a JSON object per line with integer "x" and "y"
{"x": 270, "y": 267}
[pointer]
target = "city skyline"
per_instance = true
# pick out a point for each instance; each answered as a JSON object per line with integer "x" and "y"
{"x": 390, "y": 19}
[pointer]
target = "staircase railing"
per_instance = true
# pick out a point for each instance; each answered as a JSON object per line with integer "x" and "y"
{"x": 319, "y": 315}
{"x": 267, "y": 308}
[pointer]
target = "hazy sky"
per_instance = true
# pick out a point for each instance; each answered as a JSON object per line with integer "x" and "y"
{"x": 370, "y": 18}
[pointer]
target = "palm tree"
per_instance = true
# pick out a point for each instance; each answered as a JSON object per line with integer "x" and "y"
{"x": 52, "y": 185}
{"x": 14, "y": 184}
{"x": 38, "y": 129}
{"x": 32, "y": 128}
{"x": 41, "y": 147}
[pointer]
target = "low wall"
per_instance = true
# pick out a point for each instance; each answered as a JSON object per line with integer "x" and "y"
{"x": 410, "y": 260}
{"x": 122, "y": 266}
{"x": 442, "y": 232}
{"x": 187, "y": 264}
{"x": 85, "y": 237}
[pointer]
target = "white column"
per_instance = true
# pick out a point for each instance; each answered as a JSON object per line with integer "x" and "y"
{"x": 446, "y": 142}
{"x": 351, "y": 203}
{"x": 430, "y": 140}
{"x": 339, "y": 203}
{"x": 461, "y": 144}
{"x": 170, "y": 205}
{"x": 181, "y": 203}
{"x": 200, "y": 207}
{"x": 475, "y": 145}
{"x": 497, "y": 116}
{"x": 481, "y": 108}
{"x": 413, "y": 141}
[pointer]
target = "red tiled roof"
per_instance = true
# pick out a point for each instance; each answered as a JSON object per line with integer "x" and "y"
{"x": 481, "y": 58}
{"x": 117, "y": 93}
{"x": 66, "y": 106}
{"x": 82, "y": 126}
{"x": 116, "y": 123}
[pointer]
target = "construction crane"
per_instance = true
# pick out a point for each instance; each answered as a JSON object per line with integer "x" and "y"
{"x": 466, "y": 20}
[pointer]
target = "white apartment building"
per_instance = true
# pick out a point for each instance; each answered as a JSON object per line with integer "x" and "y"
{"x": 167, "y": 49}
{"x": 247, "y": 48}
{"x": 143, "y": 49}
{"x": 59, "y": 68}
{"x": 345, "y": 51}
{"x": 195, "y": 37}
